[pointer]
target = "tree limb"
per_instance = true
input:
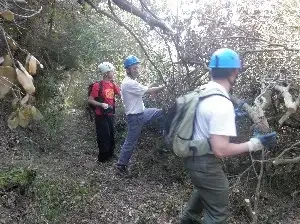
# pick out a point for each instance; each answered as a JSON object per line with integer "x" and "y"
{"x": 147, "y": 17}
{"x": 288, "y": 101}
{"x": 139, "y": 42}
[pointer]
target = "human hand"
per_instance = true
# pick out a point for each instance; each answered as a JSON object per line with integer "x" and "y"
{"x": 104, "y": 106}
{"x": 262, "y": 140}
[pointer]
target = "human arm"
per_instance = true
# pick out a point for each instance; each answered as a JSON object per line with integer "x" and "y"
{"x": 221, "y": 146}
{"x": 222, "y": 126}
{"x": 95, "y": 103}
{"x": 94, "y": 94}
{"x": 153, "y": 90}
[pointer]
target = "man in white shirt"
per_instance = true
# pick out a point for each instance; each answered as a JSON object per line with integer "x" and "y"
{"x": 137, "y": 115}
{"x": 215, "y": 121}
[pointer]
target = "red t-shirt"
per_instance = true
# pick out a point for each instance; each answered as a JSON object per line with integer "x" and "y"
{"x": 109, "y": 90}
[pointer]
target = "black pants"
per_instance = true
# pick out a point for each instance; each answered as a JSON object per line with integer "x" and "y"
{"x": 105, "y": 136}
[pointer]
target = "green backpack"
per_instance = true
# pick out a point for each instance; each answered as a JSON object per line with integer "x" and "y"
{"x": 179, "y": 124}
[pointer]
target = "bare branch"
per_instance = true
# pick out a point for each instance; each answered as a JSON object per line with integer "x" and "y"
{"x": 256, "y": 114}
{"x": 286, "y": 161}
{"x": 257, "y": 190}
{"x": 249, "y": 210}
{"x": 288, "y": 101}
{"x": 34, "y": 14}
{"x": 148, "y": 18}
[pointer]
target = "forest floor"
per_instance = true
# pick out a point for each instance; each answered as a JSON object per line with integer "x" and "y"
{"x": 72, "y": 187}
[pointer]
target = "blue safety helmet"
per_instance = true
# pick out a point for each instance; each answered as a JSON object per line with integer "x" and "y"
{"x": 225, "y": 58}
{"x": 131, "y": 60}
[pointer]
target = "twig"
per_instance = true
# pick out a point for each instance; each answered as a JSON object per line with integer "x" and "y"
{"x": 8, "y": 48}
{"x": 257, "y": 191}
{"x": 288, "y": 149}
{"x": 139, "y": 42}
{"x": 286, "y": 161}
{"x": 250, "y": 213}
{"x": 22, "y": 16}
{"x": 28, "y": 10}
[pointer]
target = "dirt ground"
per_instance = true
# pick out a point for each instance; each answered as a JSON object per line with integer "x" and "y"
{"x": 71, "y": 187}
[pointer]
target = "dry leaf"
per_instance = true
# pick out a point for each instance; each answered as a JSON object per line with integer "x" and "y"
{"x": 8, "y": 15}
{"x": 7, "y": 61}
{"x": 36, "y": 114}
{"x": 25, "y": 99}
{"x": 13, "y": 121}
{"x": 25, "y": 79}
{"x": 14, "y": 103}
{"x": 12, "y": 43}
{"x": 7, "y": 79}
{"x": 24, "y": 116}
{"x": 32, "y": 65}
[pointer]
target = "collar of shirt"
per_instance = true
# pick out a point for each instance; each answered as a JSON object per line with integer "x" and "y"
{"x": 215, "y": 85}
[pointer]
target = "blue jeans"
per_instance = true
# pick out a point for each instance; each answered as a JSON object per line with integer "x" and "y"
{"x": 135, "y": 124}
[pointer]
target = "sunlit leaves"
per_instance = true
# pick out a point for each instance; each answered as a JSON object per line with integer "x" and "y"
{"x": 23, "y": 115}
{"x": 7, "y": 15}
{"x": 31, "y": 64}
{"x": 25, "y": 79}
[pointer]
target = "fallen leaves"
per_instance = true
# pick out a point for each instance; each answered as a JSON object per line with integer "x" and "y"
{"x": 23, "y": 115}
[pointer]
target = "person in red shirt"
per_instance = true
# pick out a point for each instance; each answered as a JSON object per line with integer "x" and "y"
{"x": 102, "y": 97}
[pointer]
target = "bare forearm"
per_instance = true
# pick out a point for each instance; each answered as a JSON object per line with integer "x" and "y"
{"x": 232, "y": 149}
{"x": 95, "y": 103}
{"x": 155, "y": 89}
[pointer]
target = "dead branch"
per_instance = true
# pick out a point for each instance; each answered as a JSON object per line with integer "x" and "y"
{"x": 139, "y": 42}
{"x": 286, "y": 161}
{"x": 250, "y": 213}
{"x": 288, "y": 101}
{"x": 256, "y": 114}
{"x": 269, "y": 50}
{"x": 147, "y": 17}
{"x": 288, "y": 149}
{"x": 278, "y": 161}
{"x": 257, "y": 191}
{"x": 29, "y": 16}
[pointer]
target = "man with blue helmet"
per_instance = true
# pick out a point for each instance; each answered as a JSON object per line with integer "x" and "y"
{"x": 137, "y": 115}
{"x": 215, "y": 120}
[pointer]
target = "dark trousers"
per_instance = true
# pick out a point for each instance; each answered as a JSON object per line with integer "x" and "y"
{"x": 210, "y": 191}
{"x": 105, "y": 136}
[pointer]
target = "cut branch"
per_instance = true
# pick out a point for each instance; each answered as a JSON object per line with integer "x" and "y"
{"x": 288, "y": 101}
{"x": 256, "y": 114}
{"x": 147, "y": 17}
{"x": 286, "y": 161}
{"x": 139, "y": 42}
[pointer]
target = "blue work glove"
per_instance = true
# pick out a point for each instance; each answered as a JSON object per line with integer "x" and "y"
{"x": 238, "y": 110}
{"x": 260, "y": 141}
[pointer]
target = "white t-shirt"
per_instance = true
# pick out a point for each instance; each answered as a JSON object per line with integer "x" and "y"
{"x": 132, "y": 95}
{"x": 215, "y": 115}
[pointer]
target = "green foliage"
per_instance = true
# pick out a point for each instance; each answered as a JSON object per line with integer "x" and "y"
{"x": 19, "y": 178}
{"x": 55, "y": 198}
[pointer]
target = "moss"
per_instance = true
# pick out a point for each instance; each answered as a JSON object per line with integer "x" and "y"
{"x": 19, "y": 178}
{"x": 56, "y": 198}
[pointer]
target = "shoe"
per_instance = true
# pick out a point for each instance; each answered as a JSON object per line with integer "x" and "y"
{"x": 122, "y": 171}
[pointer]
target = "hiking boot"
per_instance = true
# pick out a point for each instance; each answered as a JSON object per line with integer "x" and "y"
{"x": 122, "y": 171}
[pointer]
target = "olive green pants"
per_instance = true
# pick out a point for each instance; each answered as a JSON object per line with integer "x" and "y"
{"x": 210, "y": 191}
